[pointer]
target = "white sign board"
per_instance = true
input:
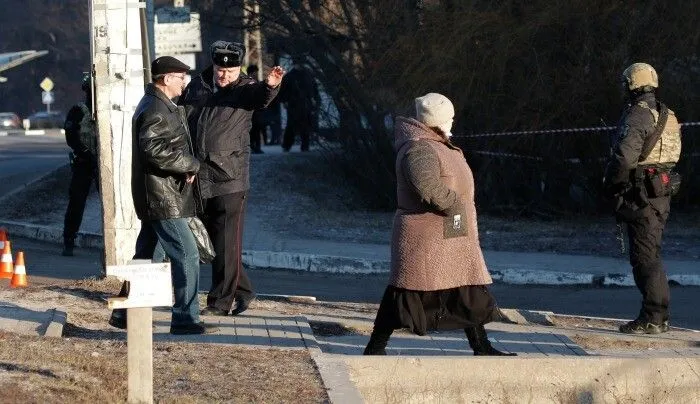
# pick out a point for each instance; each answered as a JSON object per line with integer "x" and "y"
{"x": 178, "y": 37}
{"x": 149, "y": 285}
{"x": 47, "y": 97}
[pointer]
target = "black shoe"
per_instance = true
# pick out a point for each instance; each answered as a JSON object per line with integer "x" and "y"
{"x": 491, "y": 351}
{"x": 378, "y": 342}
{"x": 118, "y": 322}
{"x": 480, "y": 344}
{"x": 67, "y": 251}
{"x": 642, "y": 326}
{"x": 213, "y": 311}
{"x": 258, "y": 151}
{"x": 193, "y": 329}
{"x": 242, "y": 305}
{"x": 370, "y": 351}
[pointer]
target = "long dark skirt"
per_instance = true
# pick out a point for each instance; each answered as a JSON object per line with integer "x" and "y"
{"x": 447, "y": 309}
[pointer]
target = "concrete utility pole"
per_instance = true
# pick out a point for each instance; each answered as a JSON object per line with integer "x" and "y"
{"x": 252, "y": 37}
{"x": 119, "y": 78}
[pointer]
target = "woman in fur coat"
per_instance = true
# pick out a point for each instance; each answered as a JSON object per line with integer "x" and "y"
{"x": 438, "y": 274}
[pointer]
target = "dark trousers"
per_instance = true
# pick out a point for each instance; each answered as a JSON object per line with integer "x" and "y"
{"x": 645, "y": 257}
{"x": 82, "y": 177}
{"x": 177, "y": 241}
{"x": 223, "y": 217}
{"x": 296, "y": 127}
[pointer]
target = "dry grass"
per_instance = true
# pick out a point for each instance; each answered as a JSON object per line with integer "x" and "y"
{"x": 595, "y": 342}
{"x": 44, "y": 200}
{"x": 89, "y": 363}
{"x": 75, "y": 370}
{"x": 591, "y": 338}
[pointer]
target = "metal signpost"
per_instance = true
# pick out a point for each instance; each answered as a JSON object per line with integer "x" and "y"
{"x": 47, "y": 94}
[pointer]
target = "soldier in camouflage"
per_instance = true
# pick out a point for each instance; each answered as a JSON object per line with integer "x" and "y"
{"x": 640, "y": 179}
{"x": 81, "y": 137}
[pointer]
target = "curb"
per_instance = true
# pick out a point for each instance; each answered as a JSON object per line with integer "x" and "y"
{"x": 333, "y": 371}
{"x": 32, "y": 132}
{"x": 348, "y": 265}
{"x": 55, "y": 327}
{"x": 51, "y": 234}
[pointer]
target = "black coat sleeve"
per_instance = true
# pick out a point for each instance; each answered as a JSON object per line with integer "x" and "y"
{"x": 256, "y": 95}
{"x": 158, "y": 150}
{"x": 421, "y": 167}
{"x": 72, "y": 129}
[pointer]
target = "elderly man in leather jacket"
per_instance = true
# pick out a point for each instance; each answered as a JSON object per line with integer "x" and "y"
{"x": 639, "y": 177}
{"x": 220, "y": 104}
{"x": 163, "y": 173}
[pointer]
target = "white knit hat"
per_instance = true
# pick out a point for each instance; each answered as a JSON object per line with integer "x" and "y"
{"x": 434, "y": 109}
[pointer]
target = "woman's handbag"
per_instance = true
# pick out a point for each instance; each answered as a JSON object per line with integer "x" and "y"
{"x": 204, "y": 245}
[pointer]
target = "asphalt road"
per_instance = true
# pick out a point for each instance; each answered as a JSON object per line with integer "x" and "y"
{"x": 26, "y": 158}
{"x": 45, "y": 265}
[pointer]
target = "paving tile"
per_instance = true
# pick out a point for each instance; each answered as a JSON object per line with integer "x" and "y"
{"x": 306, "y": 332}
{"x": 284, "y": 335}
{"x": 450, "y": 345}
{"x": 550, "y": 345}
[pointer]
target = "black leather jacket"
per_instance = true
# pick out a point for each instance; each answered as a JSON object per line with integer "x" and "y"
{"x": 220, "y": 123}
{"x": 162, "y": 155}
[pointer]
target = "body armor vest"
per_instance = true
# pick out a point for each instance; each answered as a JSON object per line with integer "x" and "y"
{"x": 88, "y": 131}
{"x": 667, "y": 149}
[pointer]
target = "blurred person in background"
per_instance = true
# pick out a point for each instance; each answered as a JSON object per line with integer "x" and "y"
{"x": 301, "y": 98}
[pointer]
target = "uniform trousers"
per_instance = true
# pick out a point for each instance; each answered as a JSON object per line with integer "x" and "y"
{"x": 83, "y": 175}
{"x": 645, "y": 235}
{"x": 223, "y": 217}
{"x": 298, "y": 124}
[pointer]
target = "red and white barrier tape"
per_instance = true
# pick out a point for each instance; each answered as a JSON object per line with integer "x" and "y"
{"x": 554, "y": 131}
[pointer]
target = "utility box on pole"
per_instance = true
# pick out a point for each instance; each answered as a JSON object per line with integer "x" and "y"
{"x": 119, "y": 85}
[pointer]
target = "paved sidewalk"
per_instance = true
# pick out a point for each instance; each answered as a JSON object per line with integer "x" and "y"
{"x": 266, "y": 329}
{"x": 347, "y": 375}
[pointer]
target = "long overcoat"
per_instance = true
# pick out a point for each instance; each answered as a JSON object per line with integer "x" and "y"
{"x": 435, "y": 240}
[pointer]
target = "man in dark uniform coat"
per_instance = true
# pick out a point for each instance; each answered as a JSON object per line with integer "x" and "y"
{"x": 81, "y": 137}
{"x": 638, "y": 177}
{"x": 220, "y": 104}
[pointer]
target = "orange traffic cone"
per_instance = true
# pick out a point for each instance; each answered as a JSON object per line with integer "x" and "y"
{"x": 19, "y": 278}
{"x": 6, "y": 268}
{"x": 3, "y": 237}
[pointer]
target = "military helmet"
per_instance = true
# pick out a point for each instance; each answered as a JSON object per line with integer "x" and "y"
{"x": 640, "y": 75}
